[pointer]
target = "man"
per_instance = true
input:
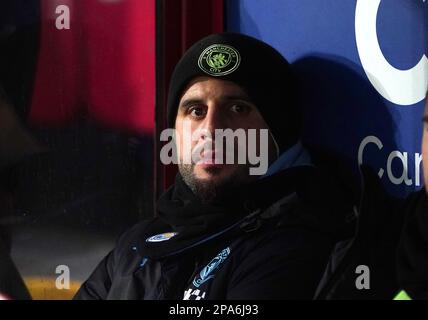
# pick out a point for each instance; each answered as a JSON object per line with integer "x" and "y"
{"x": 388, "y": 252}
{"x": 220, "y": 231}
{"x": 412, "y": 259}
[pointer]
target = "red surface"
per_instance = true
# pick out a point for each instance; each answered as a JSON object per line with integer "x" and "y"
{"x": 104, "y": 66}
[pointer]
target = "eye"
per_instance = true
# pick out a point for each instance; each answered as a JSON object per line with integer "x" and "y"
{"x": 239, "y": 108}
{"x": 196, "y": 111}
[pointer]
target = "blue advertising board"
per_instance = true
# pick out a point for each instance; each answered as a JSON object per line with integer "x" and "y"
{"x": 363, "y": 69}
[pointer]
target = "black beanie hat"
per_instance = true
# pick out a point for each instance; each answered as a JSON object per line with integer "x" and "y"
{"x": 262, "y": 71}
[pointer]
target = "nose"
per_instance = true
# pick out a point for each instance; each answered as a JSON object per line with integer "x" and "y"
{"x": 213, "y": 120}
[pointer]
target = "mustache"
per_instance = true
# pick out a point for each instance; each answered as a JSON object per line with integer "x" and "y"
{"x": 209, "y": 150}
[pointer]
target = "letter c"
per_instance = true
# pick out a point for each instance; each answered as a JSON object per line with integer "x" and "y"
{"x": 402, "y": 87}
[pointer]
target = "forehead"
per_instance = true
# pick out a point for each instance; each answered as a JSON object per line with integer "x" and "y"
{"x": 207, "y": 87}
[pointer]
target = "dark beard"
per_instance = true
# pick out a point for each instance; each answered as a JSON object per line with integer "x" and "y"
{"x": 209, "y": 191}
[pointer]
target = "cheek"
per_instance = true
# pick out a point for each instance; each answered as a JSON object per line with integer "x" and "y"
{"x": 184, "y": 133}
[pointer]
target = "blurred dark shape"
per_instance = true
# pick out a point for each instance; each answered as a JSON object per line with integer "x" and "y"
{"x": 11, "y": 284}
{"x": 15, "y": 140}
{"x": 16, "y": 143}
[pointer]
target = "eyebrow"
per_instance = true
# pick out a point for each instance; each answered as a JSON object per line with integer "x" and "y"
{"x": 192, "y": 101}
{"x": 189, "y": 102}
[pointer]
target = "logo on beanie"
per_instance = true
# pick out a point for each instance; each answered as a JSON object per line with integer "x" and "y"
{"x": 219, "y": 60}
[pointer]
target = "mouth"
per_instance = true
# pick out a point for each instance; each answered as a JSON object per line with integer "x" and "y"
{"x": 208, "y": 159}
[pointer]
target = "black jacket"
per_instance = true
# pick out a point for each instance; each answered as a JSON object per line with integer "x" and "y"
{"x": 278, "y": 253}
{"x": 412, "y": 255}
{"x": 374, "y": 244}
